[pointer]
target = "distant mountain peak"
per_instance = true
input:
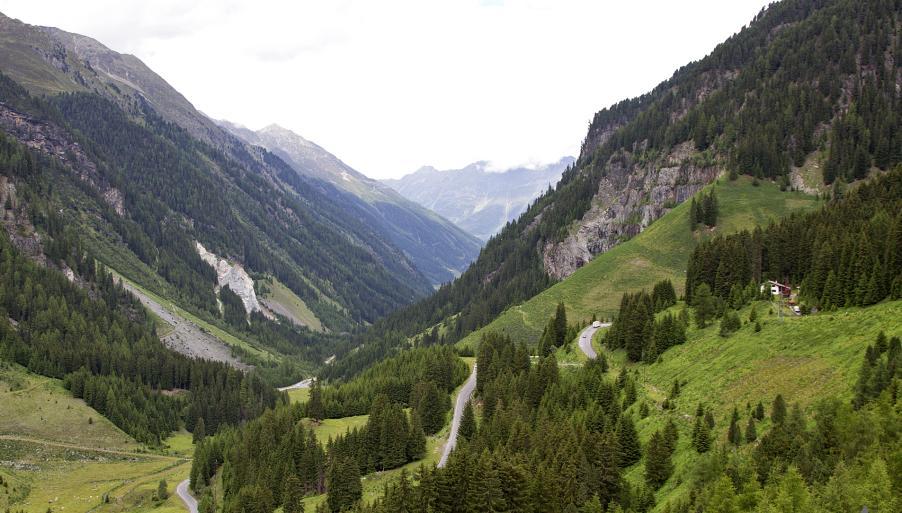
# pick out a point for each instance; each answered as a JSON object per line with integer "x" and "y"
{"x": 480, "y": 197}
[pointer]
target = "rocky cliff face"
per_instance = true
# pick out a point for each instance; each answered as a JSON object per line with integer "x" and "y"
{"x": 235, "y": 277}
{"x": 632, "y": 195}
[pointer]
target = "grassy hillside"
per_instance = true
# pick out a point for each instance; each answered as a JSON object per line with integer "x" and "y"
{"x": 281, "y": 300}
{"x": 806, "y": 359}
{"x": 60, "y": 454}
{"x": 659, "y": 252}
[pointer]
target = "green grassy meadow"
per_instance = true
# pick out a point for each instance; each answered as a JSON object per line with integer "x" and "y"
{"x": 59, "y": 453}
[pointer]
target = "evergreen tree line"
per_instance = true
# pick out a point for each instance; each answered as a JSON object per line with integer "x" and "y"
{"x": 703, "y": 211}
{"x": 881, "y": 369}
{"x": 102, "y": 335}
{"x": 406, "y": 378}
{"x": 275, "y": 460}
{"x": 546, "y": 441}
{"x": 636, "y": 328}
{"x": 847, "y": 253}
{"x": 140, "y": 411}
{"x": 557, "y": 332}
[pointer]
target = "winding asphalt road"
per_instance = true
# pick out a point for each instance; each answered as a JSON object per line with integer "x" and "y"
{"x": 185, "y": 495}
{"x": 465, "y": 393}
{"x": 585, "y": 339}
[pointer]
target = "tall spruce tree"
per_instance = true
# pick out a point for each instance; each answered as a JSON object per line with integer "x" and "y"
{"x": 704, "y": 304}
{"x": 315, "y": 408}
{"x": 467, "y": 422}
{"x": 701, "y": 435}
{"x": 628, "y": 440}
{"x": 658, "y": 465}
{"x": 778, "y": 410}
{"x": 342, "y": 483}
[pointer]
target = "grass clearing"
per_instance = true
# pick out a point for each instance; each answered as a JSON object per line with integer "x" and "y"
{"x": 660, "y": 252}
{"x": 298, "y": 395}
{"x": 283, "y": 301}
{"x": 41, "y": 408}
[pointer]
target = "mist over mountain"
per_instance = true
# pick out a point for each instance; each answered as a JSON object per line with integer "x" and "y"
{"x": 477, "y": 198}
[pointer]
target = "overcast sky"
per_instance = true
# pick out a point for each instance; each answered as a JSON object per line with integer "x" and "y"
{"x": 389, "y": 86}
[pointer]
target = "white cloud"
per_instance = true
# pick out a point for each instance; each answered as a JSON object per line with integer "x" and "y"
{"x": 389, "y": 86}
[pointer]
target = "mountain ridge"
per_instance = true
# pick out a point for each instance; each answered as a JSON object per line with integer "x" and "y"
{"x": 440, "y": 249}
{"x": 479, "y": 199}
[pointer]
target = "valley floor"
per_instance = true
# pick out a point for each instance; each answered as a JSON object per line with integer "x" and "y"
{"x": 58, "y": 454}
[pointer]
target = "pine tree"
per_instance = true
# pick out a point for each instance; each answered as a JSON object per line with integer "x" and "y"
{"x": 671, "y": 436}
{"x": 315, "y": 408}
{"x": 750, "y": 433}
{"x": 628, "y": 439}
{"x": 592, "y": 505}
{"x": 162, "y": 492}
{"x": 432, "y": 407}
{"x": 416, "y": 442}
{"x": 778, "y": 410}
{"x": 560, "y": 325}
{"x": 293, "y": 495}
{"x": 759, "y": 411}
{"x": 199, "y": 431}
{"x": 701, "y": 436}
{"x": 342, "y": 483}
{"x": 704, "y": 304}
{"x": 693, "y": 215}
{"x": 658, "y": 465}
{"x": 734, "y": 434}
{"x": 467, "y": 422}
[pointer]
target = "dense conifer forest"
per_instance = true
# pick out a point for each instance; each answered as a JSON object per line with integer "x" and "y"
{"x": 101, "y": 342}
{"x": 847, "y": 254}
{"x": 259, "y": 460}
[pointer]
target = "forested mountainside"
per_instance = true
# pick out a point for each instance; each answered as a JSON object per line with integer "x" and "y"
{"x": 479, "y": 200}
{"x": 806, "y": 77}
{"x": 169, "y": 178}
{"x": 438, "y": 248}
{"x": 85, "y": 329}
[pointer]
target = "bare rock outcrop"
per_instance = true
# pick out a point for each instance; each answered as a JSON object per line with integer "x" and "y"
{"x": 631, "y": 196}
{"x": 235, "y": 277}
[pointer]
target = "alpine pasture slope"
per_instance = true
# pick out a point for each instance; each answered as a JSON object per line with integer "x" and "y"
{"x": 659, "y": 252}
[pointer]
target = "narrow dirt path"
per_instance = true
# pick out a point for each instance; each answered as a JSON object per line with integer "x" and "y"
{"x": 38, "y": 441}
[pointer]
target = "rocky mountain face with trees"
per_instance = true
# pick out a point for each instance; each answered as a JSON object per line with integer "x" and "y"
{"x": 805, "y": 77}
{"x": 156, "y": 162}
